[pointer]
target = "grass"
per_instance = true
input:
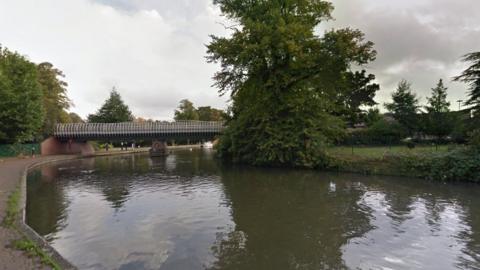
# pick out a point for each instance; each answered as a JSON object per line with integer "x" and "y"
{"x": 12, "y": 208}
{"x": 34, "y": 250}
{"x": 375, "y": 152}
{"x": 381, "y": 160}
{"x": 25, "y": 244}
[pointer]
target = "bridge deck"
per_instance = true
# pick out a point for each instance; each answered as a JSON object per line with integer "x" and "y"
{"x": 145, "y": 130}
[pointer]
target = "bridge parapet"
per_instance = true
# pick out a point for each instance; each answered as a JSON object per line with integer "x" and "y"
{"x": 144, "y": 130}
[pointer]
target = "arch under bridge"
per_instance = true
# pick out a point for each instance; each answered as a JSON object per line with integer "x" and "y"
{"x": 73, "y": 138}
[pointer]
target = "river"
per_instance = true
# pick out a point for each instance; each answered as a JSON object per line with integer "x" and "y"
{"x": 188, "y": 211}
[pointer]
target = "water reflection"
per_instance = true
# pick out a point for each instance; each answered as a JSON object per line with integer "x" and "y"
{"x": 186, "y": 211}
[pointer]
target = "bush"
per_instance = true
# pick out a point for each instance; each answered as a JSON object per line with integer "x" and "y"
{"x": 457, "y": 165}
{"x": 381, "y": 132}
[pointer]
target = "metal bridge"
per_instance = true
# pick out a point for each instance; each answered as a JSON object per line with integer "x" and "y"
{"x": 133, "y": 131}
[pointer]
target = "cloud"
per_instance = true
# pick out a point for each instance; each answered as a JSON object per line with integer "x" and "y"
{"x": 153, "y": 50}
{"x": 418, "y": 40}
{"x": 154, "y": 59}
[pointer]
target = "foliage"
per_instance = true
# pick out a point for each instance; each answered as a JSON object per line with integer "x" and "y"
{"x": 371, "y": 116}
{"x": 75, "y": 118}
{"x": 474, "y": 139}
{"x": 381, "y": 132}
{"x": 55, "y": 100}
{"x": 186, "y": 111}
{"x": 114, "y": 110}
{"x": 471, "y": 76}
{"x": 456, "y": 165}
{"x": 439, "y": 122}
{"x": 284, "y": 81}
{"x": 21, "y": 110}
{"x": 210, "y": 114}
{"x": 404, "y": 107}
{"x": 360, "y": 91}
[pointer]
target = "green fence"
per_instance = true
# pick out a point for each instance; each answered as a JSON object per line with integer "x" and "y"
{"x": 13, "y": 150}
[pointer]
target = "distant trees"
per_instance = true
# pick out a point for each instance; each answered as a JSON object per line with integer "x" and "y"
{"x": 114, "y": 110}
{"x": 187, "y": 111}
{"x": 404, "y": 107}
{"x": 21, "y": 109}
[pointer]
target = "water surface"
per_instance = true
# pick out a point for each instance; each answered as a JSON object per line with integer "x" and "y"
{"x": 187, "y": 211}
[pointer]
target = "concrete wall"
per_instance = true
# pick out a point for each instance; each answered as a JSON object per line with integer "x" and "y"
{"x": 52, "y": 146}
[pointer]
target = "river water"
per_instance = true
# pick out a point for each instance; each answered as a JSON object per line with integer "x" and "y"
{"x": 188, "y": 211}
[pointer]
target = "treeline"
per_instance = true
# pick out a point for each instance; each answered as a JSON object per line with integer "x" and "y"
{"x": 294, "y": 92}
{"x": 33, "y": 98}
{"x": 406, "y": 118}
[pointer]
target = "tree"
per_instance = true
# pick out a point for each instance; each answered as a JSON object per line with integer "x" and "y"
{"x": 404, "y": 107}
{"x": 360, "y": 91}
{"x": 186, "y": 111}
{"x": 114, "y": 110}
{"x": 440, "y": 122}
{"x": 55, "y": 100}
{"x": 283, "y": 80}
{"x": 210, "y": 114}
{"x": 21, "y": 110}
{"x": 471, "y": 76}
{"x": 75, "y": 118}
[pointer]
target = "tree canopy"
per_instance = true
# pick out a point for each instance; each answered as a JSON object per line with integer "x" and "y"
{"x": 114, "y": 110}
{"x": 55, "y": 100}
{"x": 284, "y": 80}
{"x": 21, "y": 110}
{"x": 404, "y": 106}
{"x": 440, "y": 121}
{"x": 471, "y": 76}
{"x": 186, "y": 111}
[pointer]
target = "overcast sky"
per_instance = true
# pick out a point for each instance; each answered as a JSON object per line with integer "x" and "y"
{"x": 153, "y": 50}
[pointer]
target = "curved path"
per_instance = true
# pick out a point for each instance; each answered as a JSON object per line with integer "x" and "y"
{"x": 11, "y": 173}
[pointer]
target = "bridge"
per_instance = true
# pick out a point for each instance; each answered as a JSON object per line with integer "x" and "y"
{"x": 73, "y": 138}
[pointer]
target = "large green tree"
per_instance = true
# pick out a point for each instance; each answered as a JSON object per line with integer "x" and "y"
{"x": 283, "y": 79}
{"x": 439, "y": 120}
{"x": 186, "y": 111}
{"x": 21, "y": 108}
{"x": 404, "y": 107}
{"x": 471, "y": 76}
{"x": 114, "y": 110}
{"x": 55, "y": 100}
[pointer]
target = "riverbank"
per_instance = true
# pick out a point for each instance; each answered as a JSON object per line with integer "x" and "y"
{"x": 459, "y": 163}
{"x": 21, "y": 247}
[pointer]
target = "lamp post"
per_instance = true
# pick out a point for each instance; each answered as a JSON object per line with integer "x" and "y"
{"x": 460, "y": 104}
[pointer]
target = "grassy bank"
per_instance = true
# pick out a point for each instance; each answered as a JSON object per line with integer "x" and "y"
{"x": 442, "y": 163}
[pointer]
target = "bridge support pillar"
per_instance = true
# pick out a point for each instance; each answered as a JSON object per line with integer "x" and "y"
{"x": 159, "y": 149}
{"x": 53, "y": 146}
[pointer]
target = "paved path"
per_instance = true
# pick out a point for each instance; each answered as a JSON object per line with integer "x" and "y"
{"x": 11, "y": 171}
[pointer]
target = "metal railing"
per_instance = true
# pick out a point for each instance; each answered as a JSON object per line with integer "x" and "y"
{"x": 133, "y": 130}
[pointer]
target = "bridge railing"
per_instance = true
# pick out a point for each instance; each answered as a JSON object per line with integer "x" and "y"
{"x": 138, "y": 130}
